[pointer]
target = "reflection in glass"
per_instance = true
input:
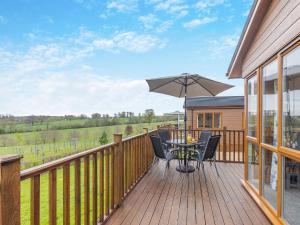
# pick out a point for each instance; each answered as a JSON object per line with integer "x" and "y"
{"x": 253, "y": 167}
{"x": 291, "y": 191}
{"x": 200, "y": 120}
{"x": 208, "y": 120}
{"x": 270, "y": 162}
{"x": 291, "y": 100}
{"x": 269, "y": 104}
{"x": 217, "y": 120}
{"x": 252, "y": 106}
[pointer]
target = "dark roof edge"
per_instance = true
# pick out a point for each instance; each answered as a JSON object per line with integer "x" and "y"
{"x": 242, "y": 36}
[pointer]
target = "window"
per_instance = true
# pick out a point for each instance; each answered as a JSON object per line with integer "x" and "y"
{"x": 217, "y": 120}
{"x": 252, "y": 106}
{"x": 291, "y": 191}
{"x": 270, "y": 103}
{"x": 200, "y": 120}
{"x": 253, "y": 164}
{"x": 210, "y": 120}
{"x": 269, "y": 183}
{"x": 291, "y": 100}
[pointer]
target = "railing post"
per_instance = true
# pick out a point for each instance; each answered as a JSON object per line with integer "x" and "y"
{"x": 10, "y": 182}
{"x": 224, "y": 144}
{"x": 119, "y": 170}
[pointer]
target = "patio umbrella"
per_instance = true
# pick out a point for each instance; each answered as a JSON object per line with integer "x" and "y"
{"x": 186, "y": 85}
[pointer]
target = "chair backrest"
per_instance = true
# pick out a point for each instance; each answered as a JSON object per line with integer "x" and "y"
{"x": 157, "y": 146}
{"x": 204, "y": 136}
{"x": 211, "y": 147}
{"x": 164, "y": 135}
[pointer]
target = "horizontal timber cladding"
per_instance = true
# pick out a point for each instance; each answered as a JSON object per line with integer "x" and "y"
{"x": 279, "y": 27}
{"x": 231, "y": 118}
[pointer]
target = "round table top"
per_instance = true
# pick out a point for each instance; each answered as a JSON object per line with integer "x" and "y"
{"x": 181, "y": 142}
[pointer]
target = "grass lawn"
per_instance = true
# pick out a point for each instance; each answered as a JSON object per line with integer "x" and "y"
{"x": 86, "y": 138}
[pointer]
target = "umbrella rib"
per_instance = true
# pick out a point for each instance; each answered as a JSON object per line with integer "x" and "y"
{"x": 202, "y": 85}
{"x": 180, "y": 91}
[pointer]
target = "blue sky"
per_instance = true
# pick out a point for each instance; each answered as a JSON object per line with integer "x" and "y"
{"x": 83, "y": 56}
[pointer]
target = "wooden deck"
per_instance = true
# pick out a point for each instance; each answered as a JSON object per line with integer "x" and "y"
{"x": 188, "y": 199}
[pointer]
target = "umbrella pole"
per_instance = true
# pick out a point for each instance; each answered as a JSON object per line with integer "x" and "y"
{"x": 185, "y": 112}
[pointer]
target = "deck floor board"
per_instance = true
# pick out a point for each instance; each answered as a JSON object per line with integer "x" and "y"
{"x": 188, "y": 199}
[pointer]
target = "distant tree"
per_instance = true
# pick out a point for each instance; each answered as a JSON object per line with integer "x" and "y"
{"x": 149, "y": 115}
{"x": 83, "y": 116}
{"x": 96, "y": 116}
{"x": 44, "y": 136}
{"x": 53, "y": 136}
{"x": 19, "y": 138}
{"x": 128, "y": 130}
{"x": 103, "y": 139}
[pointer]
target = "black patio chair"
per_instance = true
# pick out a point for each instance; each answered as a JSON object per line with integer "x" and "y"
{"x": 209, "y": 153}
{"x": 164, "y": 136}
{"x": 203, "y": 139}
{"x": 162, "y": 151}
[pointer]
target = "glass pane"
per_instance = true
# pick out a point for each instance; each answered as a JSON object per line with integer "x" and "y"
{"x": 252, "y": 106}
{"x": 291, "y": 191}
{"x": 269, "y": 182}
{"x": 253, "y": 164}
{"x": 217, "y": 120}
{"x": 200, "y": 120}
{"x": 208, "y": 120}
{"x": 269, "y": 104}
{"x": 291, "y": 100}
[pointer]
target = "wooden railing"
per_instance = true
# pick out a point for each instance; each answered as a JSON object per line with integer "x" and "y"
{"x": 230, "y": 148}
{"x": 98, "y": 180}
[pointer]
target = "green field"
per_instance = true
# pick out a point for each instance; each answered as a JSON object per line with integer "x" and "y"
{"x": 67, "y": 142}
{"x": 41, "y": 142}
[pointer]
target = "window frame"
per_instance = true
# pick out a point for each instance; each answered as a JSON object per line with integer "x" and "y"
{"x": 213, "y": 119}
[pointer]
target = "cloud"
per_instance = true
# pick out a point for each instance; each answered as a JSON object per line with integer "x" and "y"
{"x": 198, "y": 22}
{"x": 177, "y": 7}
{"x": 3, "y": 20}
{"x": 87, "y": 4}
{"x": 122, "y": 5}
{"x": 65, "y": 92}
{"x": 206, "y": 4}
{"x": 164, "y": 26}
{"x": 129, "y": 41}
{"x": 148, "y": 21}
{"x": 223, "y": 46}
{"x": 151, "y": 22}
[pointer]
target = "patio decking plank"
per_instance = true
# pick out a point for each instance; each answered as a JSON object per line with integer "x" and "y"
{"x": 181, "y": 199}
{"x": 222, "y": 205}
{"x": 254, "y": 209}
{"x": 164, "y": 219}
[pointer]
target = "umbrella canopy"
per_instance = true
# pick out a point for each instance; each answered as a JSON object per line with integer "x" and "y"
{"x": 187, "y": 85}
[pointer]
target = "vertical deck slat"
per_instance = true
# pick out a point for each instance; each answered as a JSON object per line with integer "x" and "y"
{"x": 239, "y": 147}
{"x": 95, "y": 181}
{"x": 106, "y": 178}
{"x": 35, "y": 200}
{"x": 77, "y": 193}
{"x": 66, "y": 194}
{"x": 101, "y": 188}
{"x": 52, "y": 197}
{"x": 86, "y": 190}
{"x": 113, "y": 173}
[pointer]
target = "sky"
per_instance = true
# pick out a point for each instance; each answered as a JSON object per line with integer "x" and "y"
{"x": 61, "y": 57}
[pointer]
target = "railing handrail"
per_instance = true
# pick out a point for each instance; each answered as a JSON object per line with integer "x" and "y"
{"x": 43, "y": 168}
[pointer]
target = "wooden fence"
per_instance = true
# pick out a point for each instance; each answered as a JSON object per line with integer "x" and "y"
{"x": 231, "y": 146}
{"x": 102, "y": 177}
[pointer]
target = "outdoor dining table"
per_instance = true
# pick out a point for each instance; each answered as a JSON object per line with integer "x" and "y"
{"x": 184, "y": 146}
